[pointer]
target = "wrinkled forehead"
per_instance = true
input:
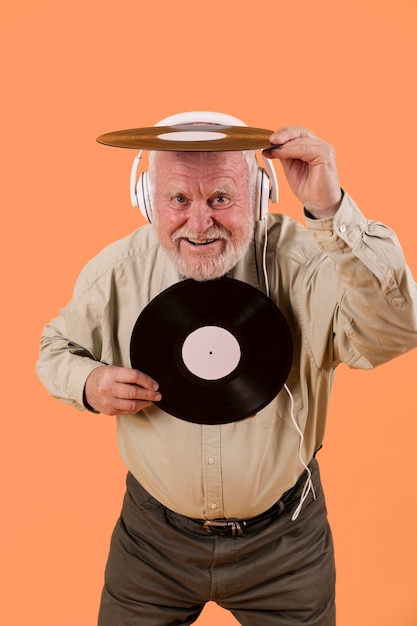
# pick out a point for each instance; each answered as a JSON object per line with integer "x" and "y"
{"x": 199, "y": 166}
{"x": 166, "y": 159}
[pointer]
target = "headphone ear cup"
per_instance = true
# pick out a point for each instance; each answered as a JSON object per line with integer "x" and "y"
{"x": 142, "y": 195}
{"x": 262, "y": 194}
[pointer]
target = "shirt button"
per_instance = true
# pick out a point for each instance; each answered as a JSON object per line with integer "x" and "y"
{"x": 213, "y": 506}
{"x": 211, "y": 460}
{"x": 342, "y": 228}
{"x": 397, "y": 301}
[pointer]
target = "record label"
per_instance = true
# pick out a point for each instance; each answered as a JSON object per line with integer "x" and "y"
{"x": 211, "y": 352}
{"x": 220, "y": 350}
{"x": 202, "y": 135}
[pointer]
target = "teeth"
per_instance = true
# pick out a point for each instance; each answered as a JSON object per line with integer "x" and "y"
{"x": 198, "y": 242}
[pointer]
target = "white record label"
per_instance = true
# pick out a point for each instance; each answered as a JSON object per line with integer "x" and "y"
{"x": 211, "y": 352}
{"x": 191, "y": 135}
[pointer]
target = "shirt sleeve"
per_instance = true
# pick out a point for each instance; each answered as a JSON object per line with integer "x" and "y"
{"x": 71, "y": 347}
{"x": 376, "y": 314}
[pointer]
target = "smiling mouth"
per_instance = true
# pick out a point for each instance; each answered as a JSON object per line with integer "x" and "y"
{"x": 199, "y": 242}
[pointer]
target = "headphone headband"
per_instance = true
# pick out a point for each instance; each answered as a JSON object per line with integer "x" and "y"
{"x": 201, "y": 117}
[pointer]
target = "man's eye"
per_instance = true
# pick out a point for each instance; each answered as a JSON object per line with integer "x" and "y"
{"x": 180, "y": 199}
{"x": 220, "y": 200}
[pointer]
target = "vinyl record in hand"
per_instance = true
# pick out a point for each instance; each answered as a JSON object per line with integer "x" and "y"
{"x": 220, "y": 350}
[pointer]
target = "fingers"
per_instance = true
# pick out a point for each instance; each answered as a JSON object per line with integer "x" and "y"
{"x": 296, "y": 142}
{"x": 132, "y": 377}
{"x": 309, "y": 164}
{"x": 120, "y": 391}
{"x": 288, "y": 133}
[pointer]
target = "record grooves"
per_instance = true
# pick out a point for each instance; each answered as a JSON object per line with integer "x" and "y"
{"x": 220, "y": 350}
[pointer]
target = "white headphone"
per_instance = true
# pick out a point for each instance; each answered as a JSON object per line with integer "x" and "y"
{"x": 266, "y": 187}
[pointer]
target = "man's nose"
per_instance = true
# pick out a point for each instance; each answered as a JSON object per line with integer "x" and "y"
{"x": 200, "y": 216}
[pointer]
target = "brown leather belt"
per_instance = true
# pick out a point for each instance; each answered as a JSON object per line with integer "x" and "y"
{"x": 236, "y": 527}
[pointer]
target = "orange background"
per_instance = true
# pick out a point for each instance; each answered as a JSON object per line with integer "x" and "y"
{"x": 72, "y": 71}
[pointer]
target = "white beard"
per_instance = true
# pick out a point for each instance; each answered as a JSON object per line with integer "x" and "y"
{"x": 209, "y": 266}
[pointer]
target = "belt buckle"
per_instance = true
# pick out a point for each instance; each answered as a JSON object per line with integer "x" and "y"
{"x": 235, "y": 526}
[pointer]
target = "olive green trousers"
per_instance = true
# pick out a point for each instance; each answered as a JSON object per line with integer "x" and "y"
{"x": 163, "y": 567}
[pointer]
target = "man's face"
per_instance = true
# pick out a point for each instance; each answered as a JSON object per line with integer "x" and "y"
{"x": 202, "y": 210}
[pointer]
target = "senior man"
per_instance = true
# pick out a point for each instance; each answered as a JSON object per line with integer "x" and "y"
{"x": 232, "y": 512}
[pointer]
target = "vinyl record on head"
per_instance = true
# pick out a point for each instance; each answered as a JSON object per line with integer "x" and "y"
{"x": 220, "y": 350}
{"x": 190, "y": 138}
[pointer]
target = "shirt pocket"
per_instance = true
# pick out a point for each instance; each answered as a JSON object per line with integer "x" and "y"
{"x": 289, "y": 400}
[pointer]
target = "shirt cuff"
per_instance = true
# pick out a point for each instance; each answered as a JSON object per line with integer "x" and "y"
{"x": 341, "y": 231}
{"x": 76, "y": 383}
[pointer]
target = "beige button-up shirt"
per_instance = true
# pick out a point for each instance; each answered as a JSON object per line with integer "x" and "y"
{"x": 347, "y": 295}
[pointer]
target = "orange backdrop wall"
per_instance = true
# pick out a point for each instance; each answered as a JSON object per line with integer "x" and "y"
{"x": 71, "y": 71}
